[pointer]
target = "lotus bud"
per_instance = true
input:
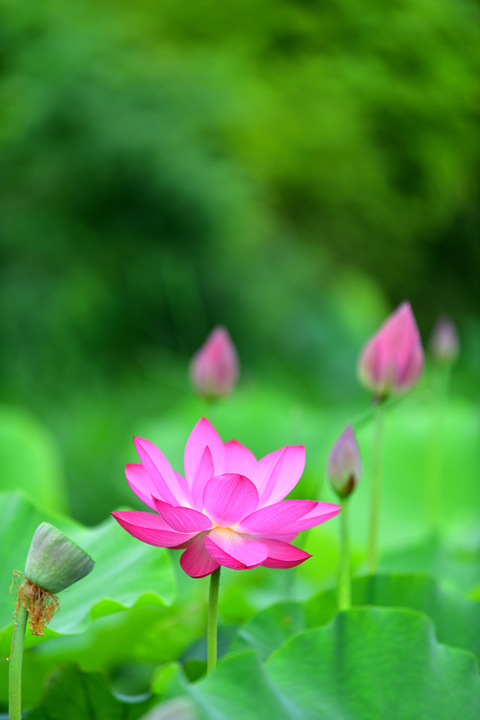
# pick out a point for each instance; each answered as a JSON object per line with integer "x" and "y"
{"x": 215, "y": 366}
{"x": 444, "y": 342}
{"x": 392, "y": 360}
{"x": 344, "y": 467}
{"x": 55, "y": 562}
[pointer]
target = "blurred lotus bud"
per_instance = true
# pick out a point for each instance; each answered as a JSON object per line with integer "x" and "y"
{"x": 344, "y": 467}
{"x": 215, "y": 366}
{"x": 444, "y": 342}
{"x": 392, "y": 360}
{"x": 55, "y": 562}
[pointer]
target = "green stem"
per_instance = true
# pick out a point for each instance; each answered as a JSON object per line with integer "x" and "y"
{"x": 212, "y": 621}
{"x": 344, "y": 588}
{"x": 433, "y": 471}
{"x": 211, "y": 409}
{"x": 409, "y": 399}
{"x": 376, "y": 487}
{"x": 15, "y": 671}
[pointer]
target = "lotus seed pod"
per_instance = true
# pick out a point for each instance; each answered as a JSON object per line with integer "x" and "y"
{"x": 55, "y": 562}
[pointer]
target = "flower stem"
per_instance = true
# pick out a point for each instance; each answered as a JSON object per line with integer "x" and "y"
{"x": 376, "y": 487}
{"x": 212, "y": 621}
{"x": 433, "y": 471}
{"x": 344, "y": 587}
{"x": 15, "y": 670}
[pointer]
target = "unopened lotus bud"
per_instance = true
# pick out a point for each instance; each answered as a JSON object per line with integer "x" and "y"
{"x": 215, "y": 366}
{"x": 444, "y": 342}
{"x": 392, "y": 360}
{"x": 344, "y": 467}
{"x": 55, "y": 562}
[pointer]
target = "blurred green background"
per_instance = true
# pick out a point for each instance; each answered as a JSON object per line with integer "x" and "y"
{"x": 290, "y": 169}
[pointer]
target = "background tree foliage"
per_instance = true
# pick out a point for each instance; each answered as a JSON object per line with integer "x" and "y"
{"x": 291, "y": 169}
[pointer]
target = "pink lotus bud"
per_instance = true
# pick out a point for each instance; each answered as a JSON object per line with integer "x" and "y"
{"x": 214, "y": 367}
{"x": 444, "y": 342}
{"x": 392, "y": 360}
{"x": 344, "y": 467}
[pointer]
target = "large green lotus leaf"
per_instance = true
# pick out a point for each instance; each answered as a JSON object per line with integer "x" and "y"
{"x": 74, "y": 695}
{"x": 127, "y": 572}
{"x": 368, "y": 664}
{"x": 29, "y": 459}
{"x": 270, "y": 628}
{"x": 456, "y": 619}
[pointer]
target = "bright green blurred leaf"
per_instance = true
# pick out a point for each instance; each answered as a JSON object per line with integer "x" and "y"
{"x": 29, "y": 459}
{"x": 163, "y": 676}
{"x": 127, "y": 572}
{"x": 147, "y": 635}
{"x": 455, "y": 565}
{"x": 404, "y": 511}
{"x": 404, "y": 505}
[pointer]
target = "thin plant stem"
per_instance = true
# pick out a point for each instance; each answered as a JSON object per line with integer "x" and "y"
{"x": 15, "y": 670}
{"x": 433, "y": 470}
{"x": 409, "y": 400}
{"x": 344, "y": 585}
{"x": 211, "y": 409}
{"x": 376, "y": 488}
{"x": 212, "y": 621}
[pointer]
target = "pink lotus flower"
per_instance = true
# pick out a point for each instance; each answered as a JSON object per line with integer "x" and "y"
{"x": 392, "y": 360}
{"x": 214, "y": 367}
{"x": 344, "y": 467}
{"x": 228, "y": 510}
